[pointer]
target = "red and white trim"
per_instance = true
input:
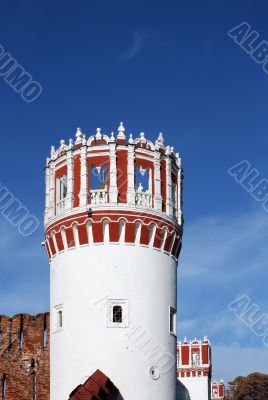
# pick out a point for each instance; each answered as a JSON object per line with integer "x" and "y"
{"x": 130, "y": 228}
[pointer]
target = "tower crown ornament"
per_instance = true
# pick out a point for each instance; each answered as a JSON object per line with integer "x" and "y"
{"x": 142, "y": 178}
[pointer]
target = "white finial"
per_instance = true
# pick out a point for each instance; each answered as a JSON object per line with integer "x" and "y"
{"x": 98, "y": 133}
{"x": 168, "y": 150}
{"x": 84, "y": 141}
{"x": 112, "y": 139}
{"x": 79, "y": 136}
{"x": 142, "y": 136}
{"x": 205, "y": 338}
{"x": 185, "y": 339}
{"x": 130, "y": 140}
{"x": 177, "y": 155}
{"x": 140, "y": 188}
{"x": 121, "y": 131}
{"x": 171, "y": 150}
{"x": 52, "y": 152}
{"x": 160, "y": 139}
{"x": 71, "y": 144}
{"x": 62, "y": 144}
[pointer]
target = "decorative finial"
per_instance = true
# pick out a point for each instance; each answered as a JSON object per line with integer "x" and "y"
{"x": 168, "y": 150}
{"x": 84, "y": 141}
{"x": 130, "y": 140}
{"x": 171, "y": 150}
{"x": 98, "y": 133}
{"x": 71, "y": 144}
{"x": 185, "y": 339}
{"x": 52, "y": 152}
{"x": 160, "y": 139}
{"x": 62, "y": 144}
{"x": 112, "y": 139}
{"x": 142, "y": 136}
{"x": 79, "y": 136}
{"x": 121, "y": 131}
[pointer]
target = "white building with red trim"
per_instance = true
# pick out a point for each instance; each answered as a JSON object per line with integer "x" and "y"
{"x": 217, "y": 390}
{"x": 113, "y": 233}
{"x": 113, "y": 250}
{"x": 194, "y": 367}
{"x": 194, "y": 360}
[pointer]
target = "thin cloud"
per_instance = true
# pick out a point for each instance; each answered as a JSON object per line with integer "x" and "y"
{"x": 234, "y": 360}
{"x": 221, "y": 258}
{"x": 218, "y": 245}
{"x": 135, "y": 48}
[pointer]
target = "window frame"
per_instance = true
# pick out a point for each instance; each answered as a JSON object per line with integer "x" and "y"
{"x": 124, "y": 304}
{"x": 172, "y": 322}
{"x": 57, "y": 311}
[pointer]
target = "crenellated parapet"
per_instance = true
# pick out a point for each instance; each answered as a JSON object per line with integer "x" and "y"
{"x": 110, "y": 187}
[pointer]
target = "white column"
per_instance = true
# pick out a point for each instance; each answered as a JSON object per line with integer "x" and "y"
{"x": 51, "y": 208}
{"x": 179, "y": 189}
{"x": 113, "y": 191}
{"x": 157, "y": 182}
{"x": 169, "y": 202}
{"x": 47, "y": 194}
{"x": 83, "y": 196}
{"x": 190, "y": 355}
{"x": 70, "y": 181}
{"x": 131, "y": 192}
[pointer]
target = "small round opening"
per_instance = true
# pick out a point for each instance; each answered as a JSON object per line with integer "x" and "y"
{"x": 154, "y": 372}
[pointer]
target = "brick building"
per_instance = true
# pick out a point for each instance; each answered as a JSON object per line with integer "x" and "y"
{"x": 24, "y": 357}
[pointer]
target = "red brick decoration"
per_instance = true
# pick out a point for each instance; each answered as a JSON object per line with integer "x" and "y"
{"x": 97, "y": 387}
{"x": 24, "y": 357}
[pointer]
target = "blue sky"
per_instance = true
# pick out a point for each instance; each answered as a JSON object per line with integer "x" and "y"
{"x": 158, "y": 66}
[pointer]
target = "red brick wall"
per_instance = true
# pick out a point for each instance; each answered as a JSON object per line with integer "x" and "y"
{"x": 24, "y": 356}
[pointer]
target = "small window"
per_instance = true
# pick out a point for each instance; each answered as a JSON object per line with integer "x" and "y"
{"x": 172, "y": 321}
{"x": 45, "y": 334}
{"x": 117, "y": 314}
{"x": 61, "y": 187}
{"x": 58, "y": 318}
{"x": 4, "y": 386}
{"x": 34, "y": 387}
{"x": 21, "y": 340}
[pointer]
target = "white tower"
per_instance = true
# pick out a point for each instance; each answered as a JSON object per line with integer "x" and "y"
{"x": 113, "y": 228}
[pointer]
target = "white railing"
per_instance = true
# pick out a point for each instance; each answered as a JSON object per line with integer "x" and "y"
{"x": 60, "y": 206}
{"x": 143, "y": 199}
{"x": 98, "y": 197}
